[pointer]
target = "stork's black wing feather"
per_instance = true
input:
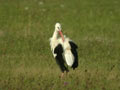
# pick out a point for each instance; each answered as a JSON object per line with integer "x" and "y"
{"x": 58, "y": 49}
{"x": 74, "y": 52}
{"x": 59, "y": 58}
{"x": 73, "y": 45}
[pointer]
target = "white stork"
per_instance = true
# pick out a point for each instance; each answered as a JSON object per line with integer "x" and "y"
{"x": 64, "y": 50}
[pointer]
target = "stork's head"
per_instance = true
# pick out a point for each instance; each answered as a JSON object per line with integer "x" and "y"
{"x": 58, "y": 29}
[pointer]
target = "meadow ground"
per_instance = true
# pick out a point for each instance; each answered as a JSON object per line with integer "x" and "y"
{"x": 26, "y": 61}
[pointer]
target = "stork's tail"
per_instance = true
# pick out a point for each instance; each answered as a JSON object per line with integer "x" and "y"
{"x": 69, "y": 57}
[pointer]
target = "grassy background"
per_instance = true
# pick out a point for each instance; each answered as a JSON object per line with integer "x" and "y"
{"x": 26, "y": 61}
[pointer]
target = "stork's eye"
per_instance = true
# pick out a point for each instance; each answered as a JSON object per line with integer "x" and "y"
{"x": 58, "y": 27}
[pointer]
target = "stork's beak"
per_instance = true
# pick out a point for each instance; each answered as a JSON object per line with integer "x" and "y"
{"x": 61, "y": 35}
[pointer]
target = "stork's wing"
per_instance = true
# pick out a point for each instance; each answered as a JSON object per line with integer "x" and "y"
{"x": 75, "y": 53}
{"x": 73, "y": 45}
{"x": 59, "y": 57}
{"x": 58, "y": 49}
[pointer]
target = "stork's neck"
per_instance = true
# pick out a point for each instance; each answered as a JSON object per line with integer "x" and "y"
{"x": 55, "y": 34}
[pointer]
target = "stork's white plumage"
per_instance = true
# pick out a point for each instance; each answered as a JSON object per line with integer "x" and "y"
{"x": 63, "y": 49}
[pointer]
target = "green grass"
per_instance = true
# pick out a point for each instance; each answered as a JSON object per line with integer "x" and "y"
{"x": 26, "y": 61}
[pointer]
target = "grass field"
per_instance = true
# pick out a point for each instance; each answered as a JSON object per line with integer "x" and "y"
{"x": 26, "y": 61}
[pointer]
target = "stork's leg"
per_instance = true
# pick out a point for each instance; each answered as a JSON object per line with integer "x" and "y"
{"x": 63, "y": 74}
